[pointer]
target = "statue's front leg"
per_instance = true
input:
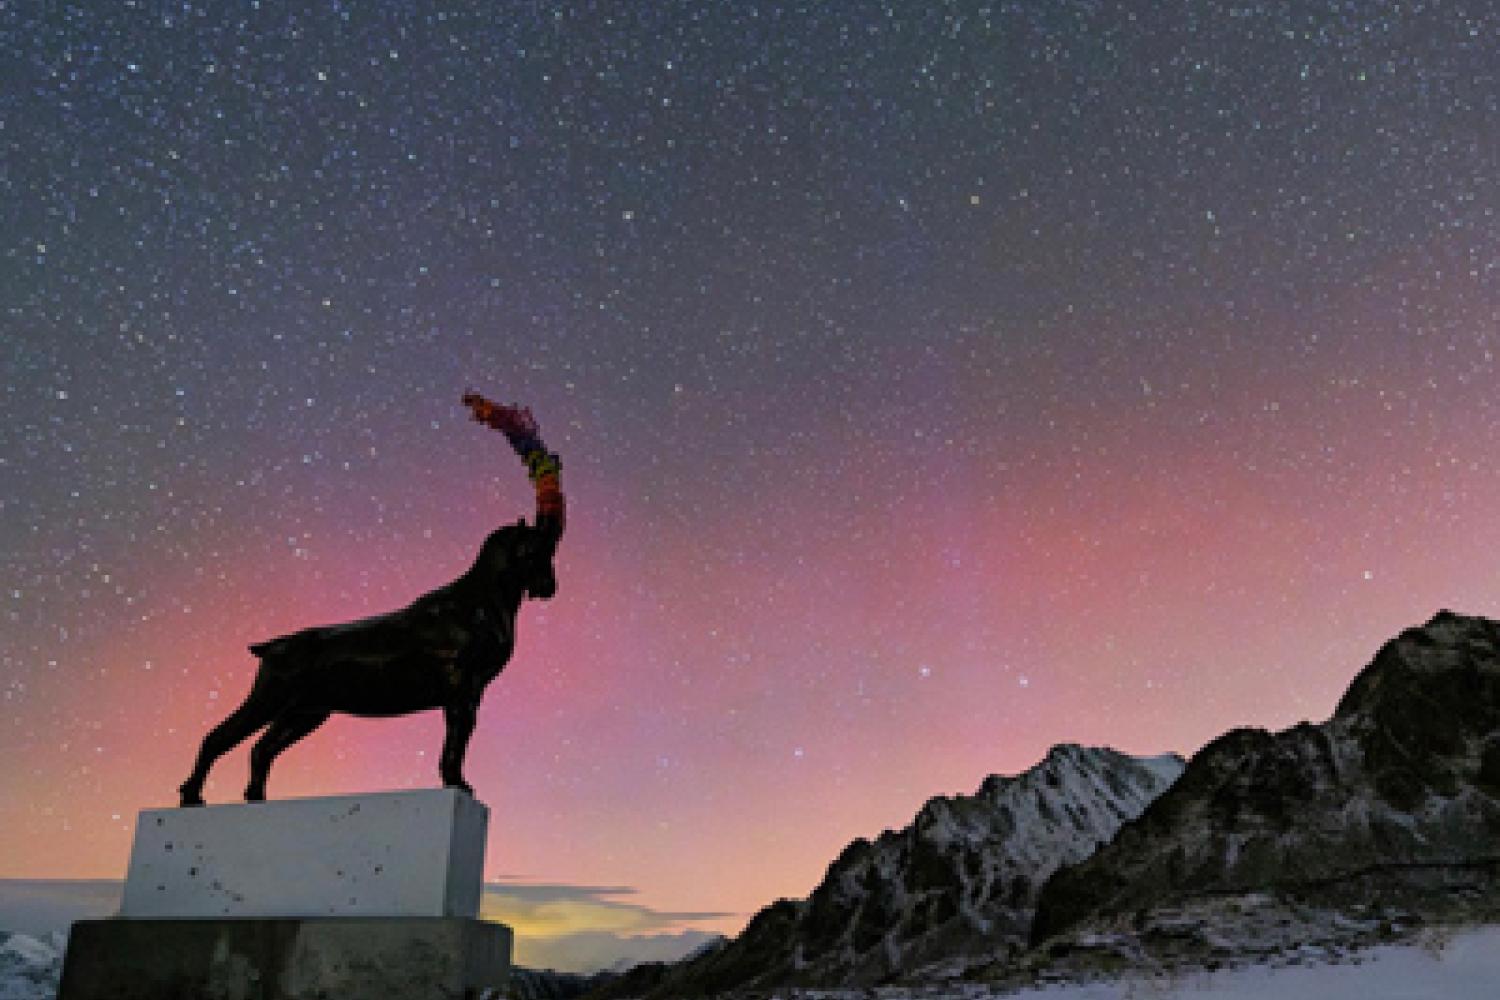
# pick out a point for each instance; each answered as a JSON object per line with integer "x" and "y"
{"x": 460, "y": 719}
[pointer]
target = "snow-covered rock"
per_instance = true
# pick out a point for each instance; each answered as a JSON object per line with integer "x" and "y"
{"x": 1463, "y": 965}
{"x": 30, "y": 967}
{"x": 960, "y": 882}
{"x": 545, "y": 984}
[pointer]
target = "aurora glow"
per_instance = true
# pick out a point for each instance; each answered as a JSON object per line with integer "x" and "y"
{"x": 934, "y": 382}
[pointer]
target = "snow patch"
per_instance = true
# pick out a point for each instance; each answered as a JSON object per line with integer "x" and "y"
{"x": 31, "y": 967}
{"x": 1467, "y": 967}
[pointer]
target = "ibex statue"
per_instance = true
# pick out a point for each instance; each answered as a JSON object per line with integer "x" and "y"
{"x": 440, "y": 651}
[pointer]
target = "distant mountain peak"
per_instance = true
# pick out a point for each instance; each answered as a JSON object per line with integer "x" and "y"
{"x": 1448, "y": 645}
{"x": 1396, "y": 797}
{"x": 960, "y": 880}
{"x": 1405, "y": 776}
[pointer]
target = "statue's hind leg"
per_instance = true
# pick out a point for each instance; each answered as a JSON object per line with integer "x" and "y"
{"x": 256, "y": 711}
{"x": 284, "y": 731}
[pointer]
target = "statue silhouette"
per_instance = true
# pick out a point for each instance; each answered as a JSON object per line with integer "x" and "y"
{"x": 440, "y": 651}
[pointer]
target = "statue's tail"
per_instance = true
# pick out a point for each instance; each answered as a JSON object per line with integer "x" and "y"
{"x": 542, "y": 466}
{"x": 272, "y": 648}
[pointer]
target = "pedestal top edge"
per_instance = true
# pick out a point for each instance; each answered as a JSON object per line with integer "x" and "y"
{"x": 450, "y": 794}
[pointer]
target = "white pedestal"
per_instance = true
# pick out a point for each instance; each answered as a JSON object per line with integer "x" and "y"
{"x": 387, "y": 854}
{"x": 357, "y": 897}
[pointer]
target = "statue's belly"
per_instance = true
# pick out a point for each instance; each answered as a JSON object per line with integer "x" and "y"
{"x": 392, "y": 685}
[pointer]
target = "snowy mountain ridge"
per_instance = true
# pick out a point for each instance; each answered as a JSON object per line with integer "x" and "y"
{"x": 1304, "y": 846}
{"x": 30, "y": 967}
{"x": 1397, "y": 795}
{"x": 960, "y": 881}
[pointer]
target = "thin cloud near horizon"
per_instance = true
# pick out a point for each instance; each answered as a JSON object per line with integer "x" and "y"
{"x": 550, "y": 894}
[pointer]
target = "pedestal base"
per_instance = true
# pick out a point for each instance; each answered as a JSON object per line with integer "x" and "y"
{"x": 331, "y": 958}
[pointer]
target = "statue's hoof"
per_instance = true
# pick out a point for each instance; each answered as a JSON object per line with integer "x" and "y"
{"x": 462, "y": 786}
{"x": 189, "y": 797}
{"x": 255, "y": 796}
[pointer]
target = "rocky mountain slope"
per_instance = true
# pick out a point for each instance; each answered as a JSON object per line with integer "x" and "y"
{"x": 1396, "y": 797}
{"x": 962, "y": 880}
{"x": 30, "y": 967}
{"x": 545, "y": 984}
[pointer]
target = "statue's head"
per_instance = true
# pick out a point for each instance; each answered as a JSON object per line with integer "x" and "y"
{"x": 521, "y": 554}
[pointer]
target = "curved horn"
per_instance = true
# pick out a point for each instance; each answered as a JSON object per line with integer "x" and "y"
{"x": 542, "y": 466}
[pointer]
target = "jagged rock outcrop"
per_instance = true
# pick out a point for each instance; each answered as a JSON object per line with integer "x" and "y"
{"x": 547, "y": 984}
{"x": 30, "y": 967}
{"x": 960, "y": 881}
{"x": 1399, "y": 789}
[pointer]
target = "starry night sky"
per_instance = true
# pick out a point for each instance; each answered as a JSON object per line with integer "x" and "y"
{"x": 935, "y": 382}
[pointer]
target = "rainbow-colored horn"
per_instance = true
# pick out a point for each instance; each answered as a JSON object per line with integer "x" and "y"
{"x": 542, "y": 466}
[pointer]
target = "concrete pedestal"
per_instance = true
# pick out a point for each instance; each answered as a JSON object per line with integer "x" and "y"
{"x": 388, "y": 854}
{"x": 326, "y": 958}
{"x": 338, "y": 898}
